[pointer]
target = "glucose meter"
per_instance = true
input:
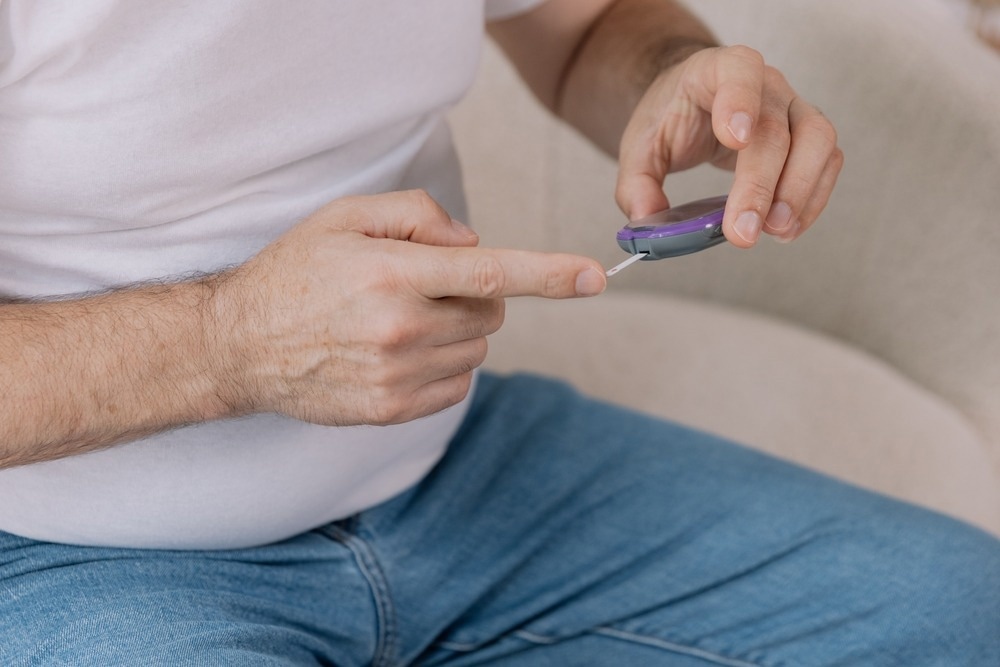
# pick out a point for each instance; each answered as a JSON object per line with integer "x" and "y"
{"x": 676, "y": 231}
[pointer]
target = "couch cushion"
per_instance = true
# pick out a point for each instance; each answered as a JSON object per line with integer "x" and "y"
{"x": 762, "y": 382}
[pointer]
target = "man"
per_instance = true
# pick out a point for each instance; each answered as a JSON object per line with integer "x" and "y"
{"x": 249, "y": 429}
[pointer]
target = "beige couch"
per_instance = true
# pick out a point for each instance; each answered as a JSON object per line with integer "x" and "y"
{"x": 869, "y": 349}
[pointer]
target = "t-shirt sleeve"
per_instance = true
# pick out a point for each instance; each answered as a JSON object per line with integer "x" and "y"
{"x": 504, "y": 9}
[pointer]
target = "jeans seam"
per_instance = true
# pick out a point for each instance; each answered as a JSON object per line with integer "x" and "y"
{"x": 457, "y": 647}
{"x": 653, "y": 642}
{"x": 364, "y": 556}
{"x": 535, "y": 638}
{"x": 673, "y": 647}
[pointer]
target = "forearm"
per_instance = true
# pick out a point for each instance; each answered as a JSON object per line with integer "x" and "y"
{"x": 590, "y": 61}
{"x": 83, "y": 374}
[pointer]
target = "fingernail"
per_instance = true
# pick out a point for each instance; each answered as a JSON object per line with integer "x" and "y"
{"x": 790, "y": 235}
{"x": 465, "y": 230}
{"x": 590, "y": 282}
{"x": 748, "y": 226}
{"x": 779, "y": 219}
{"x": 740, "y": 124}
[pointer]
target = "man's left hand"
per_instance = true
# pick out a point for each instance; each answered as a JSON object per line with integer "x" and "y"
{"x": 726, "y": 106}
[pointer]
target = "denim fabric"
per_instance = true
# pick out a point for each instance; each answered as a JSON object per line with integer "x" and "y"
{"x": 556, "y": 531}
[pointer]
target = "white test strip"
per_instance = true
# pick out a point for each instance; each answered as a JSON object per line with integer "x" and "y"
{"x": 628, "y": 262}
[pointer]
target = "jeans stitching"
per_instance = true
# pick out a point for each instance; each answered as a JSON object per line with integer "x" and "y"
{"x": 656, "y": 642}
{"x": 367, "y": 562}
{"x": 469, "y": 647}
{"x": 536, "y": 639}
{"x": 457, "y": 647}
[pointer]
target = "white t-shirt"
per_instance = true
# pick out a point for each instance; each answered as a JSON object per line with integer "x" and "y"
{"x": 143, "y": 140}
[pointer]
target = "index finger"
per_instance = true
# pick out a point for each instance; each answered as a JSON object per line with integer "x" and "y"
{"x": 490, "y": 273}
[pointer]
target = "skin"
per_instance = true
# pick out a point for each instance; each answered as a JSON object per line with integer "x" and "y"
{"x": 375, "y": 310}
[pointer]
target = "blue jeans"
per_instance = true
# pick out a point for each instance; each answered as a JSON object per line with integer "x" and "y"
{"x": 556, "y": 531}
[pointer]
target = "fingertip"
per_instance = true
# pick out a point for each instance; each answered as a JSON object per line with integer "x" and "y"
{"x": 464, "y": 235}
{"x": 640, "y": 197}
{"x": 780, "y": 219}
{"x": 740, "y": 127}
{"x": 746, "y": 229}
{"x": 733, "y": 129}
{"x": 790, "y": 235}
{"x": 591, "y": 282}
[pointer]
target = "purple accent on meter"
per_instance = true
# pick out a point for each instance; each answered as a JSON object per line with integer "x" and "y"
{"x": 676, "y": 231}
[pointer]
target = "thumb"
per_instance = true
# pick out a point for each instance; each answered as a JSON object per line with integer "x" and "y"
{"x": 411, "y": 215}
{"x": 642, "y": 168}
{"x": 639, "y": 193}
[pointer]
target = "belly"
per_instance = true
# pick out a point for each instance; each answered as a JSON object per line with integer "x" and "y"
{"x": 221, "y": 485}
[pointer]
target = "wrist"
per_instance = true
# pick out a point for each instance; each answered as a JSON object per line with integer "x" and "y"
{"x": 667, "y": 55}
{"x": 627, "y": 49}
{"x": 226, "y": 346}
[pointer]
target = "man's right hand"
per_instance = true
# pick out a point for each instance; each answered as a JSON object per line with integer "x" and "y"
{"x": 374, "y": 310}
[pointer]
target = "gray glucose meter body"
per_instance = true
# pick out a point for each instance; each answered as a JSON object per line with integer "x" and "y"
{"x": 676, "y": 231}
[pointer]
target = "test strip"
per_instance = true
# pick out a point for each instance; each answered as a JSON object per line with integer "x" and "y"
{"x": 628, "y": 262}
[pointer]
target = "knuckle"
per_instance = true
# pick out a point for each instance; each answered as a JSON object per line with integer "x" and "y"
{"x": 773, "y": 136}
{"x": 497, "y": 315}
{"x": 488, "y": 276}
{"x": 392, "y": 332}
{"x": 444, "y": 396}
{"x": 480, "y": 348}
{"x": 621, "y": 198}
{"x": 382, "y": 376}
{"x": 396, "y": 415}
{"x": 820, "y": 131}
{"x": 419, "y": 196}
{"x": 760, "y": 194}
{"x": 462, "y": 387}
{"x": 837, "y": 160}
{"x": 427, "y": 205}
{"x": 458, "y": 388}
{"x": 774, "y": 130}
{"x": 795, "y": 190}
{"x": 384, "y": 410}
{"x": 465, "y": 364}
{"x": 746, "y": 54}
{"x": 346, "y": 214}
{"x": 774, "y": 79}
{"x": 485, "y": 318}
{"x": 390, "y": 405}
{"x": 555, "y": 283}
